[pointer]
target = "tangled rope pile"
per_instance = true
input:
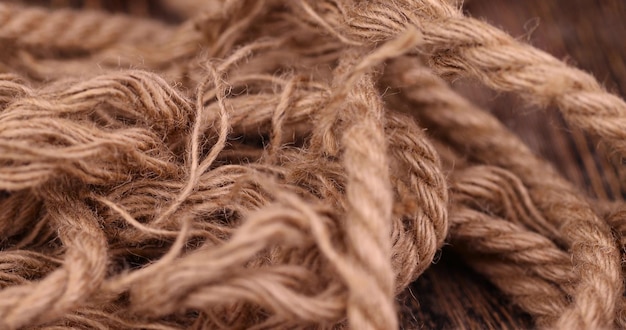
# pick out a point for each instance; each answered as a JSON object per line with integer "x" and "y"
{"x": 285, "y": 164}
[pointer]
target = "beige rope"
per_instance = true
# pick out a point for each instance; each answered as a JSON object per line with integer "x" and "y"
{"x": 259, "y": 165}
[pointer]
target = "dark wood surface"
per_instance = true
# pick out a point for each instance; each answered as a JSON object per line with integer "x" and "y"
{"x": 586, "y": 33}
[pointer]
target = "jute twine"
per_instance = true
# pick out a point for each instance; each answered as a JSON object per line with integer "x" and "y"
{"x": 285, "y": 164}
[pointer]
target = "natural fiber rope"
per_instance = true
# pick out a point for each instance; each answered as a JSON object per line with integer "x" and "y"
{"x": 258, "y": 165}
{"x": 570, "y": 221}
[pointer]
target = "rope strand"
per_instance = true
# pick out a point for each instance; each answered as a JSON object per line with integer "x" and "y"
{"x": 258, "y": 164}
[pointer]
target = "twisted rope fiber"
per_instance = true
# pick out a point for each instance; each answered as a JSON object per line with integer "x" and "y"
{"x": 258, "y": 164}
{"x": 568, "y": 219}
{"x": 531, "y": 268}
{"x": 74, "y": 30}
